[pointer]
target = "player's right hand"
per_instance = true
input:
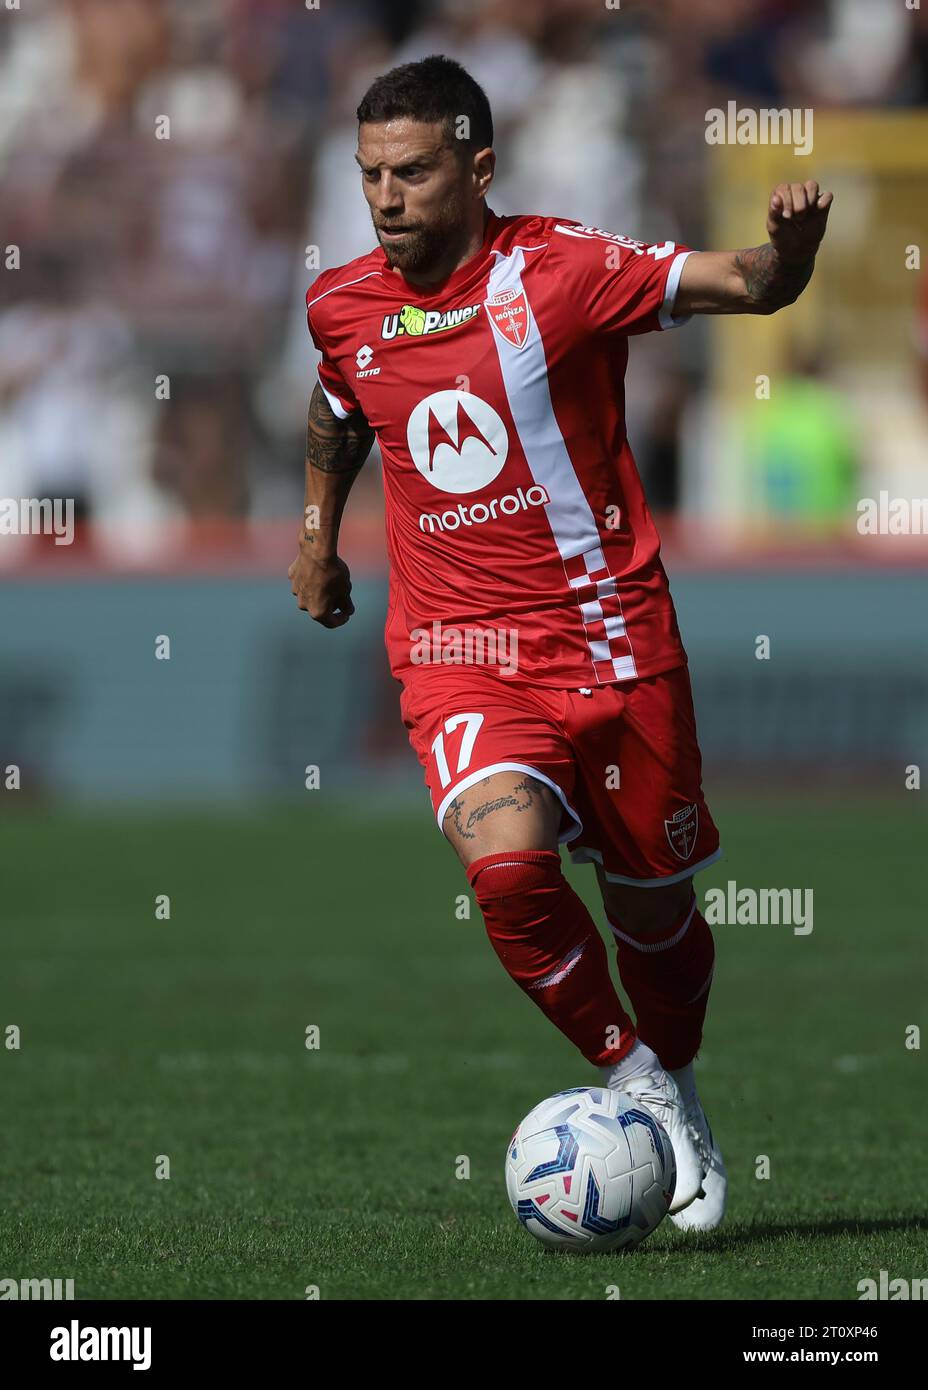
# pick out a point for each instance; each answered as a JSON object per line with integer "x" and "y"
{"x": 797, "y": 216}
{"x": 322, "y": 587}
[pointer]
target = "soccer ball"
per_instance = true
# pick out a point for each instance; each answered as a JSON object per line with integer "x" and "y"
{"x": 590, "y": 1170}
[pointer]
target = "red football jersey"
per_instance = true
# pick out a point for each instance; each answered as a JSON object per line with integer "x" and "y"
{"x": 513, "y": 502}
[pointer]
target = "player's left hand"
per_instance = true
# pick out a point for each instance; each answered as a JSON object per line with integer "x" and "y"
{"x": 796, "y": 219}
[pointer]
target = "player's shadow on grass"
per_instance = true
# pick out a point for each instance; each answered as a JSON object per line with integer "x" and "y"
{"x": 734, "y": 1236}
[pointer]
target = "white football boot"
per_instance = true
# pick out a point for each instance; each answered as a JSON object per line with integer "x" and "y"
{"x": 659, "y": 1093}
{"x": 707, "y": 1211}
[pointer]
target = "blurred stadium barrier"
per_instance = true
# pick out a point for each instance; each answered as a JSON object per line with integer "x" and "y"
{"x": 254, "y": 692}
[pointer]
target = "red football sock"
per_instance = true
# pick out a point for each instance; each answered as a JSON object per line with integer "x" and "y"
{"x": 667, "y": 978}
{"x": 550, "y": 945}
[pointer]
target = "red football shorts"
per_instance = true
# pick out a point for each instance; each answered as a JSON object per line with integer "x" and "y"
{"x": 622, "y": 759}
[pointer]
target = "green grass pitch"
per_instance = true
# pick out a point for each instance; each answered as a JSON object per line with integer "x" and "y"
{"x": 336, "y": 1167}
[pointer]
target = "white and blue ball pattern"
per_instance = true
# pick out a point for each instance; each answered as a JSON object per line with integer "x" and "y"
{"x": 590, "y": 1170}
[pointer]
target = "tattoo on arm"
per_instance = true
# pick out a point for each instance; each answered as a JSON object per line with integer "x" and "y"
{"x": 769, "y": 281}
{"x": 333, "y": 445}
{"x": 523, "y": 795}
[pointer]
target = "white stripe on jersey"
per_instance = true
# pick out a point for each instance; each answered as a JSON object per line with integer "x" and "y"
{"x": 665, "y": 315}
{"x": 525, "y": 380}
{"x": 311, "y": 302}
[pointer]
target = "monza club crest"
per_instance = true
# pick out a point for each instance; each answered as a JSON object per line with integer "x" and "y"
{"x": 681, "y": 831}
{"x": 508, "y": 312}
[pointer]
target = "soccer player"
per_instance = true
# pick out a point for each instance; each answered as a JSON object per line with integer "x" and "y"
{"x": 530, "y": 623}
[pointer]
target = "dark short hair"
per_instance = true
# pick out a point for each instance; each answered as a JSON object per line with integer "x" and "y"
{"x": 433, "y": 89}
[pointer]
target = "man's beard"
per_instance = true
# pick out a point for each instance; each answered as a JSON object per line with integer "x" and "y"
{"x": 423, "y": 249}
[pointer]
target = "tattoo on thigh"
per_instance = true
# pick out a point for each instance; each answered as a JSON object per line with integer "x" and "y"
{"x": 524, "y": 795}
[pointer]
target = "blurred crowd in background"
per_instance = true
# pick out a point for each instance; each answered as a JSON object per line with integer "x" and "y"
{"x": 187, "y": 257}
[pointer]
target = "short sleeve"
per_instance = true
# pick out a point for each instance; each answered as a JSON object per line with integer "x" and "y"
{"x": 338, "y": 393}
{"x": 619, "y": 285}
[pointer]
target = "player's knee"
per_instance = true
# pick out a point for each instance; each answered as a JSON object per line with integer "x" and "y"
{"x": 517, "y": 889}
{"x": 642, "y": 911}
